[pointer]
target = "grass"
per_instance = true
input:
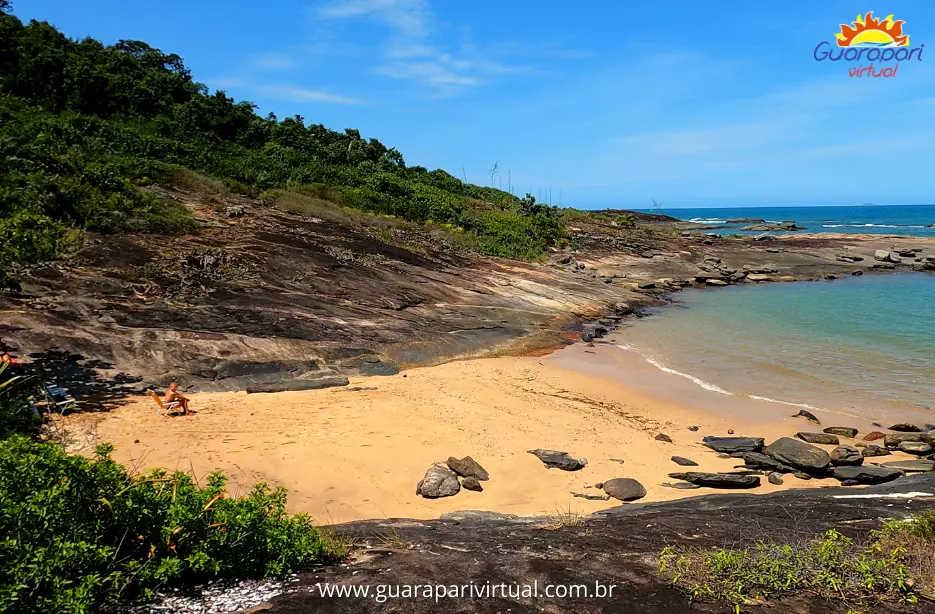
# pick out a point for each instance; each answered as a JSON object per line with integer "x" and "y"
{"x": 893, "y": 564}
{"x": 562, "y": 518}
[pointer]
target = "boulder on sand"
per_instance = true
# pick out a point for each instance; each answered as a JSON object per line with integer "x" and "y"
{"x": 729, "y": 445}
{"x": 919, "y": 448}
{"x": 867, "y": 474}
{"x": 807, "y": 415}
{"x": 820, "y": 438}
{"x": 892, "y": 440}
{"x": 685, "y": 462}
{"x": 842, "y": 431}
{"x": 846, "y": 455}
{"x": 799, "y": 454}
{"x": 756, "y": 460}
{"x": 874, "y": 435}
{"x": 471, "y": 483}
{"x": 559, "y": 460}
{"x": 718, "y": 480}
{"x": 624, "y": 489}
{"x": 663, "y": 437}
{"x": 875, "y": 450}
{"x": 439, "y": 481}
{"x": 902, "y": 427}
{"x": 467, "y": 467}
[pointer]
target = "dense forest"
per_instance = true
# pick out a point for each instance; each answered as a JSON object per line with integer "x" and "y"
{"x": 85, "y": 128}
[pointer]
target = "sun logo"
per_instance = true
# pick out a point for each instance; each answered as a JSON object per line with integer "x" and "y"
{"x": 868, "y": 31}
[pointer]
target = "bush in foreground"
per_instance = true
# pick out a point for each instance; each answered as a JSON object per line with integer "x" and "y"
{"x": 893, "y": 565}
{"x": 76, "y": 532}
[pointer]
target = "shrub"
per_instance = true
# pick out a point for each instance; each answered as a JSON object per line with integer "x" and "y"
{"x": 76, "y": 533}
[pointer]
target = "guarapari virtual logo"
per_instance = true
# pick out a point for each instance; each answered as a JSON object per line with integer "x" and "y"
{"x": 871, "y": 47}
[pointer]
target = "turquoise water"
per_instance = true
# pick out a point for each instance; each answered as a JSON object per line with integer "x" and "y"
{"x": 888, "y": 219}
{"x": 863, "y": 345}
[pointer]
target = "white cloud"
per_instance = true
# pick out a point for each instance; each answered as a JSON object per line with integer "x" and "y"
{"x": 299, "y": 94}
{"x": 272, "y": 61}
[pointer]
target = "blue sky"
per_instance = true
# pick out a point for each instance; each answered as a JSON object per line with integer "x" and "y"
{"x": 609, "y": 103}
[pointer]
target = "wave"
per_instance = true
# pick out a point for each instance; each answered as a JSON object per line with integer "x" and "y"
{"x": 665, "y": 369}
{"x": 703, "y": 220}
{"x": 868, "y": 225}
{"x": 770, "y": 400}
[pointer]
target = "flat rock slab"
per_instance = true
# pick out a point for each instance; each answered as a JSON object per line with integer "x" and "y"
{"x": 590, "y": 497}
{"x": 919, "y": 448}
{"x": 559, "y": 460}
{"x": 467, "y": 467}
{"x": 624, "y": 489}
{"x": 903, "y": 427}
{"x": 684, "y": 462}
{"x": 842, "y": 431}
{"x": 867, "y": 474}
{"x": 439, "y": 481}
{"x": 730, "y": 445}
{"x": 756, "y": 460}
{"x": 915, "y": 465}
{"x": 875, "y": 450}
{"x": 892, "y": 440}
{"x": 820, "y": 438}
{"x": 299, "y": 384}
{"x": 718, "y": 480}
{"x": 799, "y": 454}
{"x": 874, "y": 436}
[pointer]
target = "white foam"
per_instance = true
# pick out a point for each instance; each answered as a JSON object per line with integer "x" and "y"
{"x": 770, "y": 400}
{"x": 698, "y": 381}
{"x": 892, "y": 495}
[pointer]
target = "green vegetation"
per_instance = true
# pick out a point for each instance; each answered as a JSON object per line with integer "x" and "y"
{"x": 76, "y": 533}
{"x": 894, "y": 564}
{"x": 85, "y": 128}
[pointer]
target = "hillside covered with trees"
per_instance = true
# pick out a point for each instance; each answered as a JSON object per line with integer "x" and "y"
{"x": 86, "y": 128}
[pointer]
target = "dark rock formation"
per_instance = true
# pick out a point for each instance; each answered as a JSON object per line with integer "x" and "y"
{"x": 842, "y": 431}
{"x": 867, "y": 474}
{"x": 799, "y": 454}
{"x": 685, "y": 462}
{"x": 471, "y": 483}
{"x": 874, "y": 436}
{"x": 559, "y": 460}
{"x": 892, "y": 440}
{"x": 663, "y": 437}
{"x": 775, "y": 478}
{"x": 756, "y": 460}
{"x": 919, "y": 448}
{"x": 905, "y": 428}
{"x": 718, "y": 480}
{"x": 846, "y": 455}
{"x": 729, "y": 445}
{"x": 874, "y": 450}
{"x": 911, "y": 465}
{"x": 467, "y": 467}
{"x": 804, "y": 413}
{"x": 820, "y": 438}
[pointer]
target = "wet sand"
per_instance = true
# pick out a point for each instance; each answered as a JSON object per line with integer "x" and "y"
{"x": 357, "y": 453}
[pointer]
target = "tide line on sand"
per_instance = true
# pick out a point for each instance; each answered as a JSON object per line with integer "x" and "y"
{"x": 665, "y": 369}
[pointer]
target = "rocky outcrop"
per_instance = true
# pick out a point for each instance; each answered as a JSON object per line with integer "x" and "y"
{"x": 914, "y": 465}
{"x": 919, "y": 448}
{"x": 903, "y": 427}
{"x": 755, "y": 460}
{"x": 799, "y": 454}
{"x": 768, "y": 227}
{"x": 846, "y": 455}
{"x": 867, "y": 474}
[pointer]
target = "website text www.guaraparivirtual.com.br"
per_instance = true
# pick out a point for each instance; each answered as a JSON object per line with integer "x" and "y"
{"x": 438, "y": 592}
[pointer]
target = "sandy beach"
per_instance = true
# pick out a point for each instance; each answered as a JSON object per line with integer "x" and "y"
{"x": 357, "y": 453}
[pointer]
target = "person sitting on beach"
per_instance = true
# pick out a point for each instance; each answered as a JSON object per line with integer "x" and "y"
{"x": 174, "y": 396}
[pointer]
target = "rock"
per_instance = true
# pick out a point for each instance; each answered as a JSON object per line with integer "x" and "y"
{"x": 617, "y": 460}
{"x": 471, "y": 483}
{"x": 905, "y": 428}
{"x": 624, "y": 489}
{"x": 820, "y": 438}
{"x": 802, "y": 475}
{"x": 884, "y": 266}
{"x": 874, "y": 450}
{"x": 798, "y": 454}
{"x": 718, "y": 480}
{"x": 235, "y": 211}
{"x": 807, "y": 415}
{"x": 928, "y": 437}
{"x": 559, "y": 460}
{"x": 439, "y": 481}
{"x": 850, "y": 483}
{"x": 684, "y": 462}
{"x": 734, "y": 444}
{"x": 582, "y": 495}
{"x": 919, "y": 448}
{"x": 843, "y": 431}
{"x": 868, "y": 474}
{"x": 467, "y": 467}
{"x": 756, "y": 460}
{"x": 882, "y": 255}
{"x": 857, "y": 273}
{"x": 775, "y": 478}
{"x": 622, "y": 308}
{"x": 914, "y": 465}
{"x": 846, "y": 455}
{"x": 730, "y": 431}
{"x": 587, "y": 337}
{"x": 681, "y": 485}
{"x": 716, "y": 282}
{"x": 874, "y": 435}
{"x": 693, "y": 428}
{"x": 892, "y": 440}
{"x": 663, "y": 437}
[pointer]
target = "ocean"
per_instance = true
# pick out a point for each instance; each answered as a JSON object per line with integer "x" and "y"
{"x": 860, "y": 345}
{"x": 882, "y": 219}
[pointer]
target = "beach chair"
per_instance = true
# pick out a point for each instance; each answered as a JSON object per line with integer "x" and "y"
{"x": 59, "y": 397}
{"x": 164, "y": 408}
